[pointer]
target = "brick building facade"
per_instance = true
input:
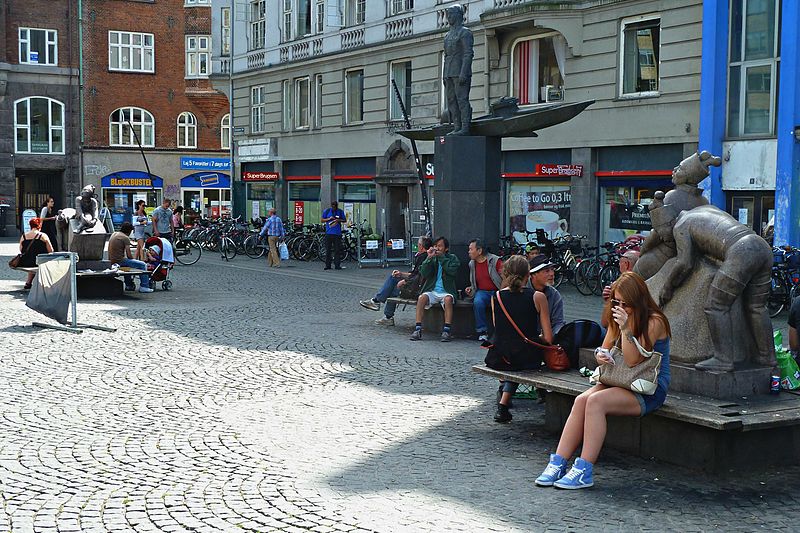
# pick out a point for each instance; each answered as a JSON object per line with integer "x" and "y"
{"x": 39, "y": 107}
{"x": 146, "y": 69}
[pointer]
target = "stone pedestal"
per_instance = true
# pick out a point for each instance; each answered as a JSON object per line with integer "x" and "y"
{"x": 88, "y": 245}
{"x": 467, "y": 194}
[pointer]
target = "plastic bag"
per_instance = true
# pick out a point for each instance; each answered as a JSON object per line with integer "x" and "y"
{"x": 283, "y": 250}
{"x": 790, "y": 372}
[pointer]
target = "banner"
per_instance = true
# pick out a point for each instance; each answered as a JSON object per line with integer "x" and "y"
{"x": 544, "y": 207}
{"x": 630, "y": 216}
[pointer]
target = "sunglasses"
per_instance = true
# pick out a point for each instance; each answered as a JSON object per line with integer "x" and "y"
{"x": 619, "y": 303}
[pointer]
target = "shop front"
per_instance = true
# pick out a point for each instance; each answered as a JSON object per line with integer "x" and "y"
{"x": 260, "y": 192}
{"x": 357, "y": 200}
{"x": 34, "y": 187}
{"x": 121, "y": 190}
{"x": 624, "y": 199}
{"x": 205, "y": 194}
{"x": 304, "y": 191}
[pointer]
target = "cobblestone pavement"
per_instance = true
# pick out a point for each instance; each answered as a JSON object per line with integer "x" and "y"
{"x": 247, "y": 400}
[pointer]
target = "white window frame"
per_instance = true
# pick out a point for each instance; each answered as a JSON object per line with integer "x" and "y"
{"x": 27, "y": 125}
{"x": 187, "y": 126}
{"x": 287, "y": 26}
{"x": 257, "y": 108}
{"x": 652, "y": 17}
{"x": 142, "y": 124}
{"x": 225, "y": 32}
{"x": 355, "y": 12}
{"x": 744, "y": 65}
{"x": 299, "y": 116}
{"x": 346, "y": 97}
{"x": 319, "y": 16}
{"x": 393, "y": 105}
{"x": 400, "y": 6}
{"x": 258, "y": 24}
{"x": 286, "y": 105}
{"x": 50, "y": 38}
{"x": 196, "y": 3}
{"x": 131, "y": 50}
{"x": 513, "y": 69}
{"x": 198, "y": 55}
{"x": 225, "y": 132}
{"x": 317, "y": 116}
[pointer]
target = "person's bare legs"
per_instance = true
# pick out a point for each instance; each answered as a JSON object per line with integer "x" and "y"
{"x": 611, "y": 401}
{"x": 139, "y": 250}
{"x": 572, "y": 434}
{"x": 31, "y": 275}
{"x": 448, "y": 309}
{"x": 422, "y": 303}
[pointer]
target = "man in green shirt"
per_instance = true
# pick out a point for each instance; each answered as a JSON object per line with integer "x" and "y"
{"x": 439, "y": 271}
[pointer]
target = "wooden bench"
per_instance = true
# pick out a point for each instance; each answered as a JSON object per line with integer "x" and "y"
{"x": 98, "y": 284}
{"x": 433, "y": 320}
{"x": 688, "y": 430}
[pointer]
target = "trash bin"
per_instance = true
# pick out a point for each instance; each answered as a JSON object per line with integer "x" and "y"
{"x": 3, "y": 210}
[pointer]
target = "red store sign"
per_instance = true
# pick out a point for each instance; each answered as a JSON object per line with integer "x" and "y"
{"x": 299, "y": 208}
{"x": 259, "y": 176}
{"x": 559, "y": 170}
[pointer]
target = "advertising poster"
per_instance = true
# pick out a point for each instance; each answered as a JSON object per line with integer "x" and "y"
{"x": 630, "y": 217}
{"x": 256, "y": 209}
{"x": 348, "y": 213}
{"x": 298, "y": 213}
{"x": 533, "y": 207}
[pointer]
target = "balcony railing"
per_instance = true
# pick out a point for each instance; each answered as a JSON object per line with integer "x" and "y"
{"x": 255, "y": 60}
{"x": 399, "y": 28}
{"x": 352, "y": 38}
{"x": 441, "y": 15}
{"x": 508, "y": 3}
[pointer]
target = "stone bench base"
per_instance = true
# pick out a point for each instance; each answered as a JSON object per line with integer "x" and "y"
{"x": 433, "y": 320}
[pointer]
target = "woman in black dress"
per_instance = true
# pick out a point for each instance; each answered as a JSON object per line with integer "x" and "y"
{"x": 48, "y": 217}
{"x": 528, "y": 309}
{"x": 31, "y": 244}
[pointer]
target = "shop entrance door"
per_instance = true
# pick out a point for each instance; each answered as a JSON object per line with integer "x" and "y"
{"x": 210, "y": 203}
{"x": 754, "y": 209}
{"x": 397, "y": 211}
{"x": 33, "y": 188}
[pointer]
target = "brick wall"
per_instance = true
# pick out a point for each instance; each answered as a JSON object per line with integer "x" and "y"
{"x": 60, "y": 15}
{"x": 165, "y": 93}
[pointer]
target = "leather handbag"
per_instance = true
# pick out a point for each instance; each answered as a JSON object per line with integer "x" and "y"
{"x": 554, "y": 355}
{"x": 641, "y": 378}
{"x": 17, "y": 259}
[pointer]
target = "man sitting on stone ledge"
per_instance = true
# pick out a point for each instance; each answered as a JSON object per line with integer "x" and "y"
{"x": 542, "y": 279}
{"x": 439, "y": 271}
{"x": 119, "y": 252}
{"x": 485, "y": 280}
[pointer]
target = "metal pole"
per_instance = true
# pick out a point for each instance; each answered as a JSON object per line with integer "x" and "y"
{"x": 418, "y": 161}
{"x": 138, "y": 142}
{"x": 73, "y": 280}
{"x": 230, "y": 107}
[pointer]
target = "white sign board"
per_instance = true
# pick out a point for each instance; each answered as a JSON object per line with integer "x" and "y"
{"x": 743, "y": 216}
{"x": 256, "y": 208}
{"x": 398, "y": 244}
{"x": 27, "y": 215}
{"x": 372, "y": 245}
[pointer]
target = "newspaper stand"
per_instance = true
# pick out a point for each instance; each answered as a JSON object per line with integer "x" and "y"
{"x": 370, "y": 251}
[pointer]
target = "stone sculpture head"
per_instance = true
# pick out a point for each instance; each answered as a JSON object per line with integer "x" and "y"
{"x": 694, "y": 169}
{"x": 455, "y": 15}
{"x": 87, "y": 193}
{"x": 663, "y": 217}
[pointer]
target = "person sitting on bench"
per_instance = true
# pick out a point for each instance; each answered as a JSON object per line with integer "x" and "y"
{"x": 542, "y": 278}
{"x": 395, "y": 281}
{"x": 626, "y": 264}
{"x": 439, "y": 271}
{"x": 485, "y": 280}
{"x": 119, "y": 252}
{"x": 31, "y": 244}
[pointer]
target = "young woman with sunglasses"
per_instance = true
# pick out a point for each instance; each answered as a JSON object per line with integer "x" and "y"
{"x": 631, "y": 313}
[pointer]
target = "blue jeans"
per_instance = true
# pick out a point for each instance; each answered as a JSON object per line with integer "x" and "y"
{"x": 389, "y": 290}
{"x": 144, "y": 279}
{"x": 480, "y": 302}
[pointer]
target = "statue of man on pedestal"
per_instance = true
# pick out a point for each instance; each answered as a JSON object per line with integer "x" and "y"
{"x": 457, "y": 77}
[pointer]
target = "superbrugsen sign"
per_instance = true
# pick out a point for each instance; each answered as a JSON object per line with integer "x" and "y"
{"x": 259, "y": 176}
{"x": 559, "y": 170}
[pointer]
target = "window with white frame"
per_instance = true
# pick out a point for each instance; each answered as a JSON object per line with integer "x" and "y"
{"x": 400, "y": 72}
{"x": 537, "y": 68}
{"x": 198, "y": 49}
{"x": 187, "y": 130}
{"x": 753, "y": 67}
{"x": 127, "y": 124}
{"x": 38, "y": 47}
{"x": 400, "y": 6}
{"x": 131, "y": 52}
{"x": 302, "y": 103}
{"x": 197, "y": 2}
{"x": 354, "y": 96}
{"x": 258, "y": 108}
{"x": 354, "y": 12}
{"x": 258, "y": 21}
{"x": 287, "y": 32}
{"x": 38, "y": 126}
{"x": 286, "y": 105}
{"x": 318, "y": 101}
{"x": 319, "y": 16}
{"x": 640, "y": 51}
{"x": 304, "y": 18}
{"x": 225, "y": 31}
{"x": 225, "y": 132}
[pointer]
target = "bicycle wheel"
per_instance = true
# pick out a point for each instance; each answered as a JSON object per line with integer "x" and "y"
{"x": 253, "y": 247}
{"x": 304, "y": 250}
{"x": 593, "y": 278}
{"x": 227, "y": 248}
{"x": 558, "y": 275}
{"x": 580, "y": 279}
{"x": 778, "y": 295}
{"x": 608, "y": 275}
{"x": 187, "y": 252}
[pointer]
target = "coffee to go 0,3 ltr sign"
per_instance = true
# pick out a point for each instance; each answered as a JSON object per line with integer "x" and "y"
{"x": 538, "y": 207}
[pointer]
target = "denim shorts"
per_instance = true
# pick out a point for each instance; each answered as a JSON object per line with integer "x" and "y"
{"x": 651, "y": 402}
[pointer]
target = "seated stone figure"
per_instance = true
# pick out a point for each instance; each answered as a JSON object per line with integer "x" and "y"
{"x": 86, "y": 210}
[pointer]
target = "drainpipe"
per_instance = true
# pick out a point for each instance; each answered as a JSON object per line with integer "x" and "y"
{"x": 80, "y": 89}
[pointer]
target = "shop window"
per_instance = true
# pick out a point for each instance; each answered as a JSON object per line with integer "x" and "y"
{"x": 400, "y": 6}
{"x": 225, "y": 132}
{"x": 641, "y": 41}
{"x": 302, "y": 103}
{"x": 624, "y": 212}
{"x": 258, "y": 109}
{"x": 538, "y": 205}
{"x": 127, "y": 124}
{"x": 258, "y": 24}
{"x": 198, "y": 49}
{"x": 537, "y": 73}
{"x": 225, "y": 31}
{"x": 187, "y": 130}
{"x": 401, "y": 74}
{"x": 38, "y": 47}
{"x": 355, "y": 11}
{"x": 357, "y": 200}
{"x": 753, "y": 67}
{"x": 304, "y": 203}
{"x": 354, "y": 96}
{"x": 39, "y": 126}
{"x": 131, "y": 52}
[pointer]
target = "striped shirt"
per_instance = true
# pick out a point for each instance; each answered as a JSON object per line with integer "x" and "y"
{"x": 273, "y": 227}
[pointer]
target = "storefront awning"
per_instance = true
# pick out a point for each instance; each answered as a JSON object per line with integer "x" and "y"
{"x": 131, "y": 179}
{"x": 206, "y": 180}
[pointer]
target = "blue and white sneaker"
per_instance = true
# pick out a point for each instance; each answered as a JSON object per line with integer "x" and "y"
{"x": 578, "y": 477}
{"x": 555, "y": 470}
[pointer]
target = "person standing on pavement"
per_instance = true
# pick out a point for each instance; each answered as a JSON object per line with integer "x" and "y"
{"x": 139, "y": 226}
{"x": 177, "y": 218}
{"x": 333, "y": 217}
{"x": 396, "y": 281}
{"x": 542, "y": 278}
{"x": 485, "y": 280}
{"x": 119, "y": 252}
{"x": 162, "y": 221}
{"x": 439, "y": 271}
{"x": 48, "y": 217}
{"x": 273, "y": 229}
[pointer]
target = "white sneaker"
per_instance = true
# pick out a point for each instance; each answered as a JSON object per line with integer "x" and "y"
{"x": 385, "y": 321}
{"x": 145, "y": 289}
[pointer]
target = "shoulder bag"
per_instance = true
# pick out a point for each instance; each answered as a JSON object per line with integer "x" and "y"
{"x": 554, "y": 355}
{"x": 641, "y": 378}
{"x": 412, "y": 287}
{"x": 17, "y": 259}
